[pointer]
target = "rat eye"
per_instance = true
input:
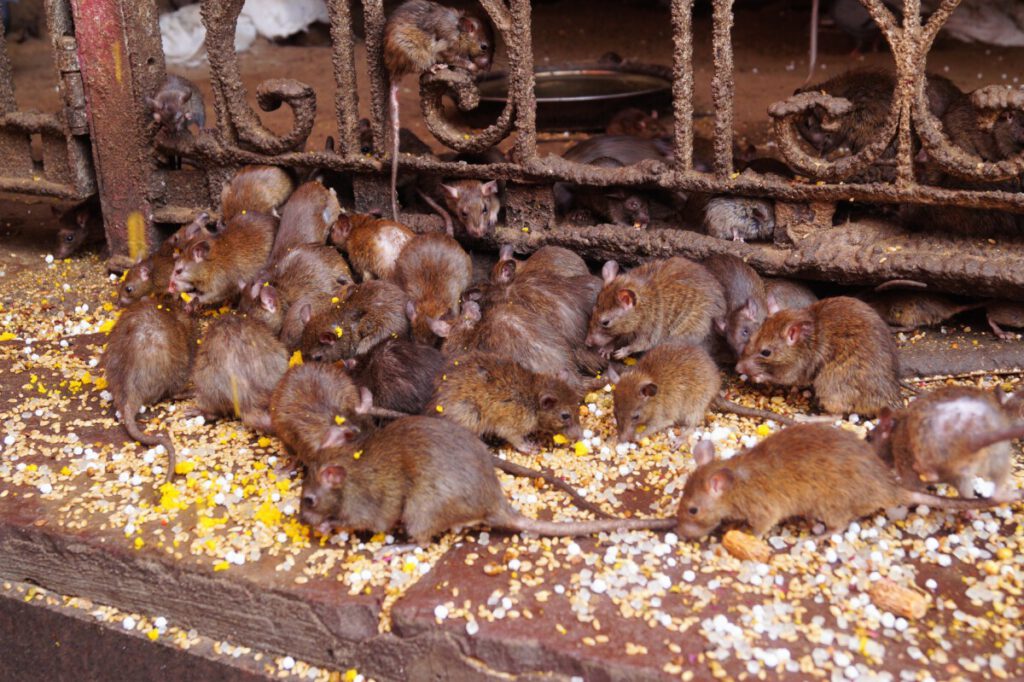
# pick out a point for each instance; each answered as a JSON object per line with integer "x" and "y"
{"x": 693, "y": 511}
{"x": 766, "y": 352}
{"x": 745, "y": 334}
{"x": 129, "y": 288}
{"x": 606, "y": 323}
{"x": 636, "y": 418}
{"x": 69, "y": 238}
{"x": 566, "y": 417}
{"x": 484, "y": 47}
{"x": 308, "y": 500}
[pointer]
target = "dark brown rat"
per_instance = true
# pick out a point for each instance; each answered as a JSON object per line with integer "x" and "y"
{"x": 372, "y": 244}
{"x": 953, "y": 435}
{"x": 177, "y": 104}
{"x": 814, "y": 471}
{"x": 364, "y": 315}
{"x": 421, "y": 36}
{"x": 430, "y": 476}
{"x": 262, "y": 189}
{"x": 306, "y": 218}
{"x": 744, "y": 295}
{"x": 673, "y": 385}
{"x": 238, "y": 364}
{"x": 434, "y": 271}
{"x": 401, "y": 373}
{"x": 216, "y": 269}
{"x": 839, "y": 345}
{"x": 80, "y": 226}
{"x": 662, "y": 301}
{"x": 1006, "y": 313}
{"x": 147, "y": 358}
{"x": 740, "y": 218}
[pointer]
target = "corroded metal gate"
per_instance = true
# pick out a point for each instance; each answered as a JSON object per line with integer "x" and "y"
{"x": 119, "y": 49}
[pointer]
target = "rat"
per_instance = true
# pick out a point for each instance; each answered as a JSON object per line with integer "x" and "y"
{"x": 780, "y": 294}
{"x": 401, "y": 373}
{"x": 953, "y": 435}
{"x": 476, "y": 203}
{"x": 216, "y": 269}
{"x": 80, "y": 226}
{"x": 666, "y": 300}
{"x": 147, "y": 358}
{"x": 152, "y": 274}
{"x": 306, "y": 218}
{"x": 905, "y": 311}
{"x": 177, "y": 104}
{"x": 744, "y": 294}
{"x": 431, "y": 476}
{"x": 364, "y": 315}
{"x": 673, "y": 385}
{"x": 839, "y": 345}
{"x": 1006, "y": 313}
{"x": 434, "y": 271}
{"x": 814, "y": 471}
{"x": 237, "y": 366}
{"x": 372, "y": 244}
{"x": 556, "y": 259}
{"x": 740, "y": 218}
{"x": 421, "y": 36}
{"x": 260, "y": 189}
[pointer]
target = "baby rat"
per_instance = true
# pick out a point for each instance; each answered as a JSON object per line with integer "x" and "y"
{"x": 364, "y": 315}
{"x": 434, "y": 271}
{"x": 953, "y": 435}
{"x": 813, "y": 471}
{"x": 372, "y": 244}
{"x": 402, "y": 374}
{"x": 147, "y": 359}
{"x": 237, "y": 367}
{"x": 81, "y": 226}
{"x": 421, "y": 35}
{"x": 261, "y": 189}
{"x": 431, "y": 476}
{"x": 839, "y": 345}
{"x": 740, "y": 218}
{"x": 216, "y": 269}
{"x": 306, "y": 218}
{"x": 667, "y": 300}
{"x": 673, "y": 385}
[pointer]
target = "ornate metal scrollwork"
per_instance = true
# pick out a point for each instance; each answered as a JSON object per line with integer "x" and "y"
{"x": 220, "y": 18}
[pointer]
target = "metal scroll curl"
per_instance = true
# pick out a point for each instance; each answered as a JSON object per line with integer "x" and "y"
{"x": 460, "y": 85}
{"x": 220, "y": 18}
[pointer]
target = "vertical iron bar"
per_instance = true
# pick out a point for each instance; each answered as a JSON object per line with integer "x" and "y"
{"x": 910, "y": 74}
{"x": 7, "y": 102}
{"x": 682, "y": 82}
{"x": 722, "y": 86}
{"x": 521, "y": 65}
{"x": 346, "y": 98}
{"x": 373, "y": 13}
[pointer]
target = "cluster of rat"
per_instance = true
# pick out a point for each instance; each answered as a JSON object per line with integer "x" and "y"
{"x": 403, "y": 367}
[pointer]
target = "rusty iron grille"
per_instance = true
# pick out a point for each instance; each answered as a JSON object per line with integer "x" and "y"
{"x": 63, "y": 169}
{"x": 805, "y": 242}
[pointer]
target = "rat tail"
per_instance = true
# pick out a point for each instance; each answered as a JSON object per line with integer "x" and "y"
{"x": 555, "y": 482}
{"x": 508, "y": 518}
{"x": 724, "y": 405}
{"x": 911, "y": 497}
{"x": 993, "y": 437}
{"x": 448, "y": 227}
{"x": 132, "y": 427}
{"x": 385, "y": 413}
{"x": 394, "y": 151}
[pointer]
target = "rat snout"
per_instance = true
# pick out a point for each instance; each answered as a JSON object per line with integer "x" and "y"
{"x": 596, "y": 339}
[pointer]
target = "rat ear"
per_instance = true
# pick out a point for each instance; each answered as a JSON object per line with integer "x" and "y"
{"x": 328, "y": 338}
{"x": 471, "y": 311}
{"x": 350, "y": 364}
{"x": 703, "y": 452}
{"x": 504, "y": 271}
{"x": 269, "y": 299}
{"x": 452, "y": 191}
{"x": 797, "y": 331}
{"x": 201, "y": 250}
{"x": 332, "y": 476}
{"x": 610, "y": 271}
{"x": 337, "y": 436}
{"x": 649, "y": 389}
{"x": 340, "y": 230}
{"x": 507, "y": 252}
{"x": 144, "y": 273}
{"x": 719, "y": 482}
{"x": 489, "y": 188}
{"x": 153, "y": 104}
{"x": 752, "y": 309}
{"x": 468, "y": 24}
{"x": 410, "y": 311}
{"x": 773, "y": 304}
{"x": 440, "y": 328}
{"x": 720, "y": 324}
{"x": 365, "y": 400}
{"x": 626, "y": 298}
{"x": 305, "y": 312}
{"x": 547, "y": 402}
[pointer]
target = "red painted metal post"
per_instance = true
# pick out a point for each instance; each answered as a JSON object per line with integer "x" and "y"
{"x": 122, "y": 61}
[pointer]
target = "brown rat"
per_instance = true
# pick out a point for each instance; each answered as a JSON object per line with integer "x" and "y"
{"x": 434, "y": 271}
{"x": 953, "y": 435}
{"x": 740, "y": 218}
{"x": 177, "y": 104}
{"x": 147, "y": 358}
{"x": 907, "y": 310}
{"x": 814, "y": 471}
{"x": 839, "y": 345}
{"x": 80, "y": 226}
{"x": 216, "y": 269}
{"x": 152, "y": 274}
{"x": 784, "y": 294}
{"x": 238, "y": 364}
{"x": 372, "y": 244}
{"x": 401, "y": 373}
{"x": 666, "y": 300}
{"x": 744, "y": 295}
{"x": 262, "y": 189}
{"x": 780, "y": 294}
{"x": 556, "y": 259}
{"x": 475, "y": 203}
{"x": 421, "y": 35}
{"x": 429, "y": 475}
{"x": 1006, "y": 313}
{"x": 364, "y": 315}
{"x": 306, "y": 218}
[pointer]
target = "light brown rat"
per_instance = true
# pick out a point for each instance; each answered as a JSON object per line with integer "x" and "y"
{"x": 421, "y": 35}
{"x": 216, "y": 269}
{"x": 147, "y": 358}
{"x": 238, "y": 364}
{"x": 814, "y": 471}
{"x": 662, "y": 301}
{"x": 785, "y": 294}
{"x": 401, "y": 373}
{"x": 434, "y": 271}
{"x": 306, "y": 218}
{"x": 673, "y": 385}
{"x": 557, "y": 259}
{"x": 152, "y": 274}
{"x": 364, "y": 315}
{"x": 430, "y": 476}
{"x": 372, "y": 244}
{"x": 262, "y": 189}
{"x": 952, "y": 435}
{"x": 476, "y": 204}
{"x": 780, "y": 294}
{"x": 839, "y": 345}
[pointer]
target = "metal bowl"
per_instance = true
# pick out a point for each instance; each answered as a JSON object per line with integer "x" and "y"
{"x": 580, "y": 98}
